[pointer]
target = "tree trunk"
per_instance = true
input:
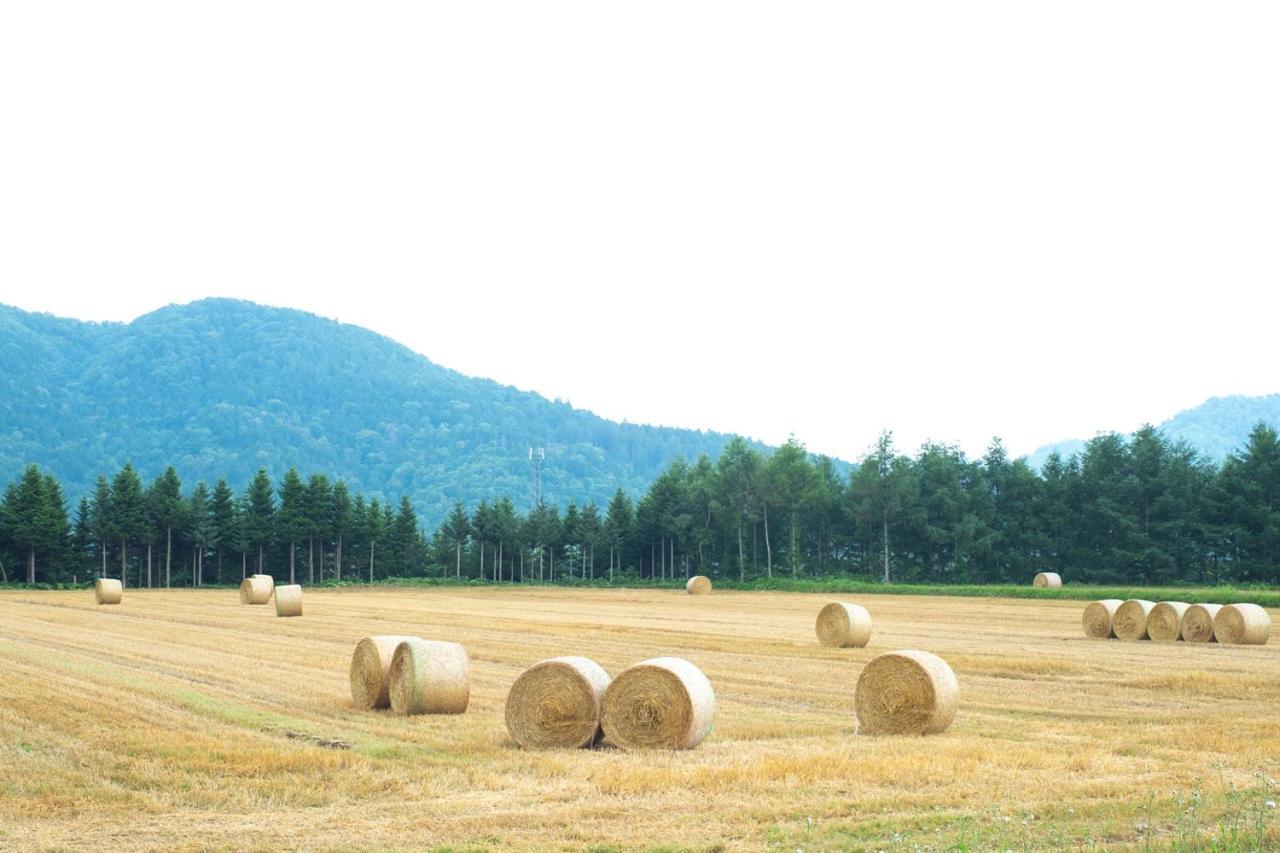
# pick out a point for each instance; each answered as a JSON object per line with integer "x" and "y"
{"x": 499, "y": 567}
{"x": 168, "y": 556}
{"x": 370, "y": 563}
{"x": 768, "y": 549}
{"x": 148, "y": 564}
{"x": 311, "y": 560}
{"x": 741, "y": 564}
{"x": 884, "y": 519}
{"x": 31, "y": 566}
{"x": 102, "y": 544}
{"x": 457, "y": 568}
{"x": 124, "y": 556}
{"x": 291, "y": 555}
{"x": 259, "y": 558}
{"x": 244, "y": 565}
{"x": 481, "y": 559}
{"x": 794, "y": 561}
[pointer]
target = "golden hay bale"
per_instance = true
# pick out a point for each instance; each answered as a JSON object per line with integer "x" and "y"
{"x": 1242, "y": 624}
{"x": 255, "y": 591}
{"x": 842, "y": 625}
{"x": 108, "y": 591}
{"x": 660, "y": 703}
{"x": 556, "y": 704}
{"x": 1099, "y": 618}
{"x": 1047, "y": 580}
{"x": 271, "y": 582}
{"x": 1165, "y": 621}
{"x": 698, "y": 585}
{"x": 371, "y": 670}
{"x": 289, "y": 600}
{"x": 906, "y": 693}
{"x": 1197, "y": 623}
{"x": 1131, "y": 619}
{"x": 429, "y": 677}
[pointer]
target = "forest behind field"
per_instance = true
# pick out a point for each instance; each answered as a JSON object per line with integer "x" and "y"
{"x": 1134, "y": 509}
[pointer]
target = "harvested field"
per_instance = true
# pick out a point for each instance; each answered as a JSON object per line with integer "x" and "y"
{"x": 182, "y": 720}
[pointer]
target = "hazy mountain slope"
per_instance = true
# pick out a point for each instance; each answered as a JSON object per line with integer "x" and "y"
{"x": 1216, "y": 427}
{"x": 221, "y": 387}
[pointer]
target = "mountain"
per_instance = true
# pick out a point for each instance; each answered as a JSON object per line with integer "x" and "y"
{"x": 1216, "y": 427}
{"x": 220, "y": 387}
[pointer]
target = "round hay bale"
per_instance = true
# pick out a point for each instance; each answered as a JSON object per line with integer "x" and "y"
{"x": 556, "y": 704}
{"x": 288, "y": 600}
{"x": 842, "y": 625}
{"x": 271, "y": 582}
{"x": 698, "y": 585}
{"x": 1099, "y": 618}
{"x": 255, "y": 591}
{"x": 1164, "y": 623}
{"x": 429, "y": 677}
{"x": 1197, "y": 623}
{"x": 1130, "y": 622}
{"x": 1242, "y": 624}
{"x": 108, "y": 591}
{"x": 1047, "y": 580}
{"x": 371, "y": 671}
{"x": 660, "y": 703}
{"x": 906, "y": 693}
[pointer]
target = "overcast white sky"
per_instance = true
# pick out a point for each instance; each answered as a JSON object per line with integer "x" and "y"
{"x": 952, "y": 220}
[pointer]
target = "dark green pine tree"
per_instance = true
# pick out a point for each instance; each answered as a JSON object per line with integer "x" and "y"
{"x": 29, "y": 519}
{"x": 82, "y": 541}
{"x": 259, "y": 516}
{"x": 373, "y": 530}
{"x": 101, "y": 521}
{"x": 226, "y": 527}
{"x": 166, "y": 509}
{"x": 292, "y": 523}
{"x": 128, "y": 512}
{"x": 201, "y": 529}
{"x": 618, "y": 522}
{"x": 339, "y": 522}
{"x": 456, "y": 530}
{"x": 403, "y": 540}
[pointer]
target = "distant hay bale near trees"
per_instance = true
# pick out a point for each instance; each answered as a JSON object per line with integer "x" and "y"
{"x": 1047, "y": 580}
{"x": 1197, "y": 623}
{"x": 842, "y": 625}
{"x": 698, "y": 585}
{"x": 1099, "y": 618}
{"x": 255, "y": 590}
{"x": 906, "y": 692}
{"x": 288, "y": 600}
{"x": 660, "y": 703}
{"x": 555, "y": 704}
{"x": 370, "y": 671}
{"x": 429, "y": 677}
{"x": 108, "y": 591}
{"x": 1165, "y": 621}
{"x": 1242, "y": 624}
{"x": 1131, "y": 619}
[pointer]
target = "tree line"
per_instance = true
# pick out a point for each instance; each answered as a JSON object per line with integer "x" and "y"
{"x": 1126, "y": 509}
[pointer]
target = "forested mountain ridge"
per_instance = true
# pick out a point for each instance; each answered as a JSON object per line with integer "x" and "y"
{"x": 222, "y": 387}
{"x": 1215, "y": 428}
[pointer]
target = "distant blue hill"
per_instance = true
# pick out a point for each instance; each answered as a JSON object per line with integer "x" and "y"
{"x": 220, "y": 387}
{"x": 1216, "y": 427}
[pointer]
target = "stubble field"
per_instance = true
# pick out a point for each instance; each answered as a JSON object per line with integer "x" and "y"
{"x": 184, "y": 720}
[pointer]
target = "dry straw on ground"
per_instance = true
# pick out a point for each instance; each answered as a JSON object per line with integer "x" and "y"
{"x": 1164, "y": 623}
{"x": 1099, "y": 618}
{"x": 371, "y": 670}
{"x": 842, "y": 625}
{"x": 1197, "y": 623}
{"x": 108, "y": 591}
{"x": 906, "y": 693}
{"x": 1242, "y": 624}
{"x": 698, "y": 585}
{"x": 556, "y": 704}
{"x": 1131, "y": 619}
{"x": 1047, "y": 580}
{"x": 660, "y": 703}
{"x": 271, "y": 582}
{"x": 255, "y": 590}
{"x": 289, "y": 600}
{"x": 429, "y": 677}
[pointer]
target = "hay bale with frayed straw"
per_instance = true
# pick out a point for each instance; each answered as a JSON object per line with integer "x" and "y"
{"x": 429, "y": 677}
{"x": 1131, "y": 619}
{"x": 371, "y": 670}
{"x": 1047, "y": 580}
{"x": 555, "y": 704}
{"x": 271, "y": 583}
{"x": 1099, "y": 618}
{"x": 1164, "y": 623}
{"x": 1197, "y": 623}
{"x": 660, "y": 703}
{"x": 842, "y": 625}
{"x": 1242, "y": 624}
{"x": 255, "y": 591}
{"x": 289, "y": 600}
{"x": 906, "y": 693}
{"x": 698, "y": 585}
{"x": 108, "y": 591}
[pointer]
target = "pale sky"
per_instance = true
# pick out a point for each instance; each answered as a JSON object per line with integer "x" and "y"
{"x": 952, "y": 220}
